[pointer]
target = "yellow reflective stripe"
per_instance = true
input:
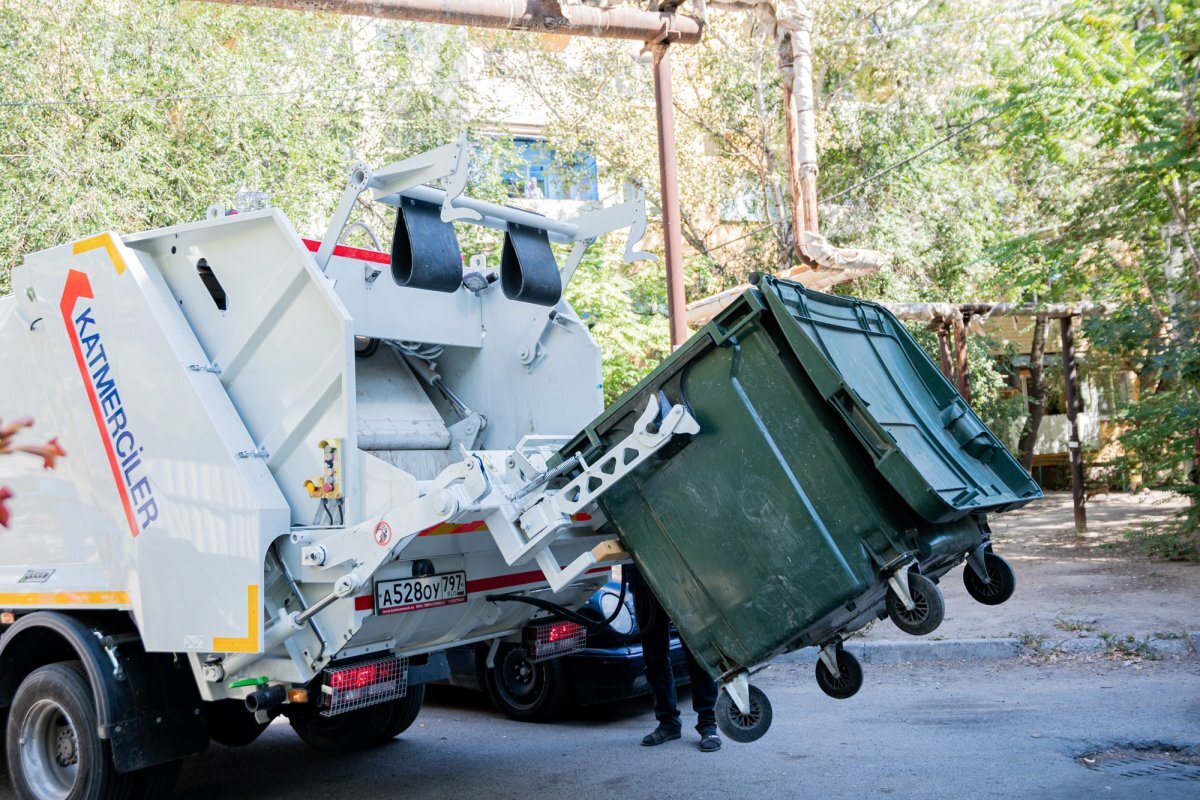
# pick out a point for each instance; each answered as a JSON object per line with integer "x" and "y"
{"x": 64, "y": 599}
{"x": 106, "y": 241}
{"x": 248, "y": 643}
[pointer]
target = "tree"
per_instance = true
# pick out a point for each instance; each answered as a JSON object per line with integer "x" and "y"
{"x": 132, "y": 115}
{"x": 1099, "y": 122}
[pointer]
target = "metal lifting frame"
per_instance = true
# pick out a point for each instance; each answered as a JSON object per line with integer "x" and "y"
{"x": 407, "y": 178}
{"x": 522, "y": 514}
{"x": 524, "y": 532}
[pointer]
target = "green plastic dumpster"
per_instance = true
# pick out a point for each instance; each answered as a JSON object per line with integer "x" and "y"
{"x": 835, "y": 478}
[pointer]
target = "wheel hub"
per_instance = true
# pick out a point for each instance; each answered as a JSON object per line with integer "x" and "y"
{"x": 920, "y": 608}
{"x": 49, "y": 750}
{"x": 519, "y": 675}
{"x": 66, "y": 749}
{"x": 747, "y": 720}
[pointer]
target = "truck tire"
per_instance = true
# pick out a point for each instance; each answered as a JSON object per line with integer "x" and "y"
{"x": 53, "y": 746}
{"x": 157, "y": 782}
{"x": 526, "y": 690}
{"x": 349, "y": 731}
{"x": 230, "y": 724}
{"x": 404, "y": 712}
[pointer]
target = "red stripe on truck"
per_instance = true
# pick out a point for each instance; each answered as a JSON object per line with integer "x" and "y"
{"x": 345, "y": 251}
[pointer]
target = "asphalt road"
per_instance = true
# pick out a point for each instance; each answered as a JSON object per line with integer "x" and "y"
{"x": 990, "y": 730}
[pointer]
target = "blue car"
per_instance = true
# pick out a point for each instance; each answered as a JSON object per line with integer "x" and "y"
{"x": 606, "y": 670}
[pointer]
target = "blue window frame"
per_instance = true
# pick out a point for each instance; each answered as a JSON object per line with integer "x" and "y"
{"x": 545, "y": 173}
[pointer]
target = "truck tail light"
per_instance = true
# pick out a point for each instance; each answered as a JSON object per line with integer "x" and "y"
{"x": 554, "y": 639}
{"x": 364, "y": 684}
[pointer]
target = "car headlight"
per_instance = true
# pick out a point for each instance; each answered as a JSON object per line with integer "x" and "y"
{"x": 623, "y": 623}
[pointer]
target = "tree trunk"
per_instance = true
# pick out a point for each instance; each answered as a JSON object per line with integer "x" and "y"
{"x": 1036, "y": 400}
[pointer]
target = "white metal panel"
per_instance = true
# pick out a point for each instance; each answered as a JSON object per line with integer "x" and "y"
{"x": 57, "y": 551}
{"x": 151, "y": 449}
{"x": 559, "y": 394}
{"x": 385, "y": 310}
{"x": 283, "y": 345}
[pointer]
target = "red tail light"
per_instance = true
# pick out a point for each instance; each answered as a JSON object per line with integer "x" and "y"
{"x": 554, "y": 639}
{"x": 354, "y": 677}
{"x": 360, "y": 685}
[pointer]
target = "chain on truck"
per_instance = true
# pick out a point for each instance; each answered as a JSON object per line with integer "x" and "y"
{"x": 298, "y": 471}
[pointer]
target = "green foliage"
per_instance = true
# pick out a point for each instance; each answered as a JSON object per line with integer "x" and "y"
{"x": 626, "y": 311}
{"x": 1099, "y": 124}
{"x": 127, "y": 116}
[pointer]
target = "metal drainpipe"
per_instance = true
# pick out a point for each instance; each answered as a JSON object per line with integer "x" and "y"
{"x": 664, "y": 112}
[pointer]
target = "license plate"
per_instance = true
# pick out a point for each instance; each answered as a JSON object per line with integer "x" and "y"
{"x": 413, "y": 594}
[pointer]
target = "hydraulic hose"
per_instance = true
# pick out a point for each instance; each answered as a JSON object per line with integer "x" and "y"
{"x": 574, "y": 616}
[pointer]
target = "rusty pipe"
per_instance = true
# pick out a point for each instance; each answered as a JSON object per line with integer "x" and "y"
{"x": 664, "y": 110}
{"x": 537, "y": 16}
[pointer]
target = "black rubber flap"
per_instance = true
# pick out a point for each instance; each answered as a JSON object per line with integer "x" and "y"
{"x": 528, "y": 271}
{"x": 425, "y": 252}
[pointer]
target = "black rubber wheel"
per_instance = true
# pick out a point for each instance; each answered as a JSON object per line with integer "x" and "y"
{"x": 846, "y": 684}
{"x": 157, "y": 782}
{"x": 404, "y": 712}
{"x": 346, "y": 732}
{"x": 741, "y": 727}
{"x": 1002, "y": 581}
{"x": 929, "y": 608}
{"x": 230, "y": 724}
{"x": 53, "y": 746}
{"x": 528, "y": 691}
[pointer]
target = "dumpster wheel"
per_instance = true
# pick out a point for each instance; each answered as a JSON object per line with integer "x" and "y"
{"x": 1000, "y": 583}
{"x": 848, "y": 680}
{"x": 741, "y": 727}
{"x": 928, "y": 606}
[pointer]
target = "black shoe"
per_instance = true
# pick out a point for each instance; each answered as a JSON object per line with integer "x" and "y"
{"x": 660, "y": 735}
{"x": 710, "y": 743}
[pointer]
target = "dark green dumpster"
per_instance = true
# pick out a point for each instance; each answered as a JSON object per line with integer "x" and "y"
{"x": 836, "y": 476}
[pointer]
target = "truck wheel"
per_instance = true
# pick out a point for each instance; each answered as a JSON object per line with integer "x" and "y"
{"x": 744, "y": 728}
{"x": 928, "y": 607}
{"x": 348, "y": 731}
{"x": 230, "y": 724}
{"x": 53, "y": 746}
{"x": 157, "y": 782}
{"x": 404, "y": 712}
{"x": 526, "y": 690}
{"x": 1002, "y": 581}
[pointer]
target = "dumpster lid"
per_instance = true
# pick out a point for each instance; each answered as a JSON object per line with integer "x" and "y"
{"x": 922, "y": 435}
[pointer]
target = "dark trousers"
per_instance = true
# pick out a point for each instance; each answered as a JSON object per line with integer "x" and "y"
{"x": 655, "y": 625}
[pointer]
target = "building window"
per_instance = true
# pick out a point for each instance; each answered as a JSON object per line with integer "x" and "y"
{"x": 542, "y": 172}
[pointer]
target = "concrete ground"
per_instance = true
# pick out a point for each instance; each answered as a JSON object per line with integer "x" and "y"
{"x": 1072, "y": 587}
{"x": 1056, "y": 722}
{"x": 978, "y": 731}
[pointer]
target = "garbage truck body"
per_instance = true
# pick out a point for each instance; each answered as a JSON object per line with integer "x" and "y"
{"x": 297, "y": 471}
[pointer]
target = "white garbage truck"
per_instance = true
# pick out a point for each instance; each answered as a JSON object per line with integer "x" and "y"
{"x": 297, "y": 473}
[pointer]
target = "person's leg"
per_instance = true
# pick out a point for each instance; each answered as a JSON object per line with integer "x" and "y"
{"x": 656, "y": 654}
{"x": 704, "y": 694}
